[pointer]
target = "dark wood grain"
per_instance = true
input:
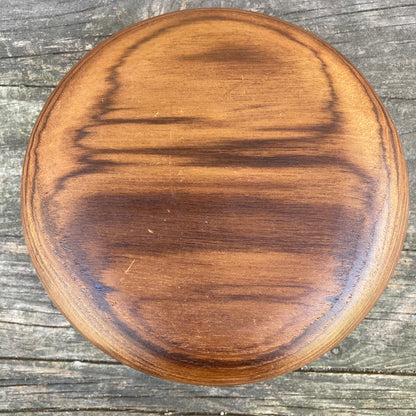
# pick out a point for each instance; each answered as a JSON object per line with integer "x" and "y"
{"x": 214, "y": 197}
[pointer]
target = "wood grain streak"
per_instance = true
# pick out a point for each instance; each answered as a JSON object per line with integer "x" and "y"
{"x": 214, "y": 196}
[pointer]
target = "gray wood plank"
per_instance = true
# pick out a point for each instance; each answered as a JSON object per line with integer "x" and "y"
{"x": 30, "y": 386}
{"x": 46, "y": 367}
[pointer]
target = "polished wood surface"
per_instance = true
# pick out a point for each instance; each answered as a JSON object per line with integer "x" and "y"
{"x": 214, "y": 197}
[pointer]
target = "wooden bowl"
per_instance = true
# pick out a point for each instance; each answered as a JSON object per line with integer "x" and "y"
{"x": 214, "y": 196}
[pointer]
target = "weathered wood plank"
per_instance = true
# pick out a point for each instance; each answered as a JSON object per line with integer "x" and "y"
{"x": 73, "y": 386}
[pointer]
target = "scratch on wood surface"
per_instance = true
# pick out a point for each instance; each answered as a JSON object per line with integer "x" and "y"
{"x": 131, "y": 265}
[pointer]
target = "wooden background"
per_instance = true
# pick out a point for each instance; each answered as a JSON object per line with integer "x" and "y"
{"x": 47, "y": 368}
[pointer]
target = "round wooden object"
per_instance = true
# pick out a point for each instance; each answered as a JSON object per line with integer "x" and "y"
{"x": 214, "y": 197}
